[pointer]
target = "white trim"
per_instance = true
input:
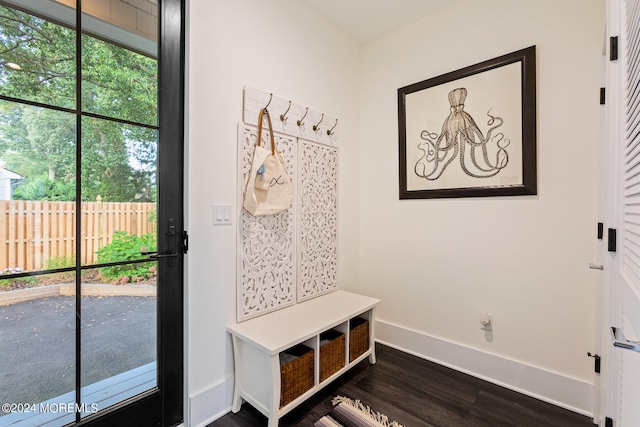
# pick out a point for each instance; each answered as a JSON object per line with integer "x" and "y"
{"x": 560, "y": 390}
{"x": 210, "y": 404}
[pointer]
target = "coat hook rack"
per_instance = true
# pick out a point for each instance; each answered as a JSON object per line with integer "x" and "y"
{"x": 316, "y": 127}
{"x": 300, "y": 122}
{"x": 312, "y": 125}
{"x": 330, "y": 131}
{"x": 283, "y": 116}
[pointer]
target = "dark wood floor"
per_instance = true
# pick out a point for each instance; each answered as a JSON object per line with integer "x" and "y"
{"x": 419, "y": 393}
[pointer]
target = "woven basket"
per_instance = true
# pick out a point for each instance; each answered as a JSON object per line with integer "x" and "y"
{"x": 332, "y": 357}
{"x": 358, "y": 337}
{"x": 296, "y": 373}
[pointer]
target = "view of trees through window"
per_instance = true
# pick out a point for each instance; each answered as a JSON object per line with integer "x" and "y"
{"x": 39, "y": 139}
{"x": 78, "y": 208}
{"x": 39, "y": 65}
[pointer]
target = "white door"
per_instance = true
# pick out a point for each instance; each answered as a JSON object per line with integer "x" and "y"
{"x": 620, "y": 392}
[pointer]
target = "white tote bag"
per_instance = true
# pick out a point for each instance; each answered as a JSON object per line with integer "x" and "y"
{"x": 268, "y": 190}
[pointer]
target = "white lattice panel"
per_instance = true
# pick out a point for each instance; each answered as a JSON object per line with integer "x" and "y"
{"x": 317, "y": 218}
{"x": 292, "y": 256}
{"x": 266, "y": 264}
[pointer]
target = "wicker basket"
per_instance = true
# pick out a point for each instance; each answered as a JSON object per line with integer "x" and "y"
{"x": 358, "y": 337}
{"x": 296, "y": 373}
{"x": 332, "y": 357}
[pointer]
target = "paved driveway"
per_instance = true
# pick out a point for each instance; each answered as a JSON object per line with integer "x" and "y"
{"x": 37, "y": 343}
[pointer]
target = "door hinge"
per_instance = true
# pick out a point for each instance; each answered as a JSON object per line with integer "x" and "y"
{"x": 600, "y": 231}
{"x": 613, "y": 48}
{"x": 611, "y": 241}
{"x": 596, "y": 365}
{"x": 185, "y": 242}
{"x": 603, "y": 95}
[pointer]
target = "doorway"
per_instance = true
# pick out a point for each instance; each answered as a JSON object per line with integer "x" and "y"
{"x": 91, "y": 232}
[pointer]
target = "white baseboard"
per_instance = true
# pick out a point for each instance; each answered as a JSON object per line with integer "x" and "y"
{"x": 210, "y": 404}
{"x": 560, "y": 390}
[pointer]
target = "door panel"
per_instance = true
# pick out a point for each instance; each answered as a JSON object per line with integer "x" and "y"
{"x": 623, "y": 304}
{"x": 101, "y": 176}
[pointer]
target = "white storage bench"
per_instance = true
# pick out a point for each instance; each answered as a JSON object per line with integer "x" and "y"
{"x": 289, "y": 335}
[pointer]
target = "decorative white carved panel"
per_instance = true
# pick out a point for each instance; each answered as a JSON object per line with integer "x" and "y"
{"x": 266, "y": 276}
{"x": 317, "y": 218}
{"x": 291, "y": 256}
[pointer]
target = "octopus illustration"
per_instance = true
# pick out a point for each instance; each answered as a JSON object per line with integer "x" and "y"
{"x": 461, "y": 136}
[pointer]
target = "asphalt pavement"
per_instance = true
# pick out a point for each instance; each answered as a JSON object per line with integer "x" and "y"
{"x": 38, "y": 344}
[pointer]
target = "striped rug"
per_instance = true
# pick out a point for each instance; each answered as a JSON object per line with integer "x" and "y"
{"x": 353, "y": 413}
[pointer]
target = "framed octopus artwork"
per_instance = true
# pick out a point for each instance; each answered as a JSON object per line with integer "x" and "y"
{"x": 470, "y": 132}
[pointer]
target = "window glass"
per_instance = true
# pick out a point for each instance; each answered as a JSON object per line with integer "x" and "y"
{"x": 38, "y": 177}
{"x": 37, "y": 344}
{"x": 37, "y": 59}
{"x": 118, "y": 83}
{"x": 119, "y": 343}
{"x": 118, "y": 162}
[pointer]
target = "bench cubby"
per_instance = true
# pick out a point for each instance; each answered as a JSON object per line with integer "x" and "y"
{"x": 278, "y": 353}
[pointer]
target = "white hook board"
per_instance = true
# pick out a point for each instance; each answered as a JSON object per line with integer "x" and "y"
{"x": 255, "y": 99}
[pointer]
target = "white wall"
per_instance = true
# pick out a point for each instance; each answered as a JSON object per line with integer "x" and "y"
{"x": 279, "y": 46}
{"x": 437, "y": 263}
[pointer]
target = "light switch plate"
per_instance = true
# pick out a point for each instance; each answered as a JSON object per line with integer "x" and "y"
{"x": 221, "y": 214}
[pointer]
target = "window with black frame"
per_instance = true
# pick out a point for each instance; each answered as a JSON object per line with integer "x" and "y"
{"x": 79, "y": 135}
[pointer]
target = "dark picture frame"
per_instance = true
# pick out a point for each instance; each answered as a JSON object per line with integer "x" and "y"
{"x": 470, "y": 132}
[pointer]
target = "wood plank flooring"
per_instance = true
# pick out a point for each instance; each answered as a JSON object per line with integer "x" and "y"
{"x": 419, "y": 393}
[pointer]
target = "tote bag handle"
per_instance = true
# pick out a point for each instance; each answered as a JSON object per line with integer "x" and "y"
{"x": 265, "y": 112}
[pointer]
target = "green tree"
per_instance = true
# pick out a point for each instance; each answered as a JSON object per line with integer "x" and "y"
{"x": 45, "y": 188}
{"x": 43, "y": 57}
{"x": 37, "y": 63}
{"x": 39, "y": 141}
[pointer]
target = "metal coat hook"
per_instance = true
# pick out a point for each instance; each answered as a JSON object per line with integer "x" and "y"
{"x": 270, "y": 98}
{"x": 283, "y": 116}
{"x": 300, "y": 122}
{"x": 330, "y": 131}
{"x": 316, "y": 127}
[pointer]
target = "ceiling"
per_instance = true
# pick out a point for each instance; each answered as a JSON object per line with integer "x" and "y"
{"x": 366, "y": 20}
